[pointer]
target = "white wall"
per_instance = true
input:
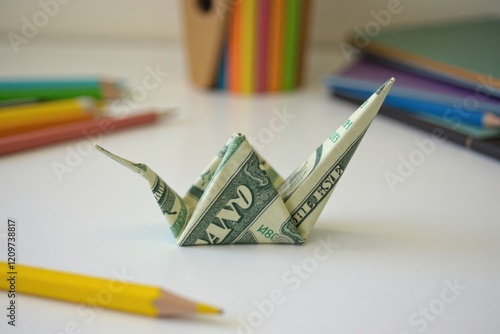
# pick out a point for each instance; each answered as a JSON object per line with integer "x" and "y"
{"x": 161, "y": 19}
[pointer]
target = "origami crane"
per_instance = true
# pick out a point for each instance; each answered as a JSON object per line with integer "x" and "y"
{"x": 240, "y": 199}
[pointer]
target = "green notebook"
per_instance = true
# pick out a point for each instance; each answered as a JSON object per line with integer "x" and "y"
{"x": 465, "y": 53}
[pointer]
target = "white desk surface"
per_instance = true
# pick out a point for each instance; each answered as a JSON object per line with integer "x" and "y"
{"x": 397, "y": 251}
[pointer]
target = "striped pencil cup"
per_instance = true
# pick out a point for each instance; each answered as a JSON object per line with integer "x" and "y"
{"x": 247, "y": 46}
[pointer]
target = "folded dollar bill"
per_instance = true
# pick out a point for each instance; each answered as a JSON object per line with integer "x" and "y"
{"x": 240, "y": 199}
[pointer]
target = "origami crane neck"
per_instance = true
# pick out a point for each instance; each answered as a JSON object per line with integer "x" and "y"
{"x": 240, "y": 198}
{"x": 171, "y": 204}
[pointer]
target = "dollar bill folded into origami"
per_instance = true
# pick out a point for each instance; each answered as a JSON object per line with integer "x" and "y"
{"x": 240, "y": 199}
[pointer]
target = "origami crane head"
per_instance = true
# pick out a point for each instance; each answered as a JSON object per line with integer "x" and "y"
{"x": 240, "y": 199}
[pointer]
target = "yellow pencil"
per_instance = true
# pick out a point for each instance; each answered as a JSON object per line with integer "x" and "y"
{"x": 45, "y": 112}
{"x": 51, "y": 108}
{"x": 113, "y": 294}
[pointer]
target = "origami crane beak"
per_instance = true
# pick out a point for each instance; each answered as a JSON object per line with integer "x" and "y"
{"x": 135, "y": 167}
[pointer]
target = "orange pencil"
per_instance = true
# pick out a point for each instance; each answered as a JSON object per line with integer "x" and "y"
{"x": 234, "y": 47}
{"x": 27, "y": 125}
{"x": 90, "y": 128}
{"x": 276, "y": 40}
{"x": 248, "y": 45}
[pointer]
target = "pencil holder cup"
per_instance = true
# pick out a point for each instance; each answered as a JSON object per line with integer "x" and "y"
{"x": 246, "y": 46}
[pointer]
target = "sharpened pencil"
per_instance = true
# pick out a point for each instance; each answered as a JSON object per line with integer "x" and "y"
{"x": 113, "y": 294}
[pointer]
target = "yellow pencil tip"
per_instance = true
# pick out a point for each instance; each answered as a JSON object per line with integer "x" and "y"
{"x": 202, "y": 308}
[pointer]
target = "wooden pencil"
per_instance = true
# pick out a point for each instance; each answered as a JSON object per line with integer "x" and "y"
{"x": 54, "y": 108}
{"x": 248, "y": 46}
{"x": 46, "y": 89}
{"x": 262, "y": 44}
{"x": 14, "y": 119}
{"x": 113, "y": 294}
{"x": 234, "y": 50}
{"x": 17, "y": 102}
{"x": 55, "y": 134}
{"x": 291, "y": 40}
{"x": 304, "y": 30}
{"x": 29, "y": 124}
{"x": 276, "y": 44}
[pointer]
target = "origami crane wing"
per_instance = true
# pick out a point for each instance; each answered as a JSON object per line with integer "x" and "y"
{"x": 240, "y": 198}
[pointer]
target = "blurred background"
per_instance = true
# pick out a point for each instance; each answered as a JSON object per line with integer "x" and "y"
{"x": 160, "y": 21}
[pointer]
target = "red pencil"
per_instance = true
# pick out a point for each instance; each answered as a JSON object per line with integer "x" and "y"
{"x": 91, "y": 129}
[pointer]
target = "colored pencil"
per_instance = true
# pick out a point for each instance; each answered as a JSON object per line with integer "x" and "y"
{"x": 291, "y": 43}
{"x": 277, "y": 17}
{"x": 118, "y": 295}
{"x": 304, "y": 31}
{"x": 56, "y": 89}
{"x": 221, "y": 79}
{"x": 20, "y": 118}
{"x": 44, "y": 108}
{"x": 17, "y": 101}
{"x": 448, "y": 113}
{"x": 28, "y": 125}
{"x": 234, "y": 49}
{"x": 248, "y": 42}
{"x": 262, "y": 44}
{"x": 489, "y": 145}
{"x": 56, "y": 134}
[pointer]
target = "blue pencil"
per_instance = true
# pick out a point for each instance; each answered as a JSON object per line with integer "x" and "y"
{"x": 221, "y": 77}
{"x": 47, "y": 83}
{"x": 478, "y": 118}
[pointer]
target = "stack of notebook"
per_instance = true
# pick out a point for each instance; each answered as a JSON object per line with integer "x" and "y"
{"x": 447, "y": 77}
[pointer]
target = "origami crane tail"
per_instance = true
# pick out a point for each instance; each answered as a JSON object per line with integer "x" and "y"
{"x": 171, "y": 204}
{"x": 308, "y": 189}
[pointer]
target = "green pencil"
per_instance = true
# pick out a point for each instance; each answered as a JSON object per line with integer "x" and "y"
{"x": 44, "y": 89}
